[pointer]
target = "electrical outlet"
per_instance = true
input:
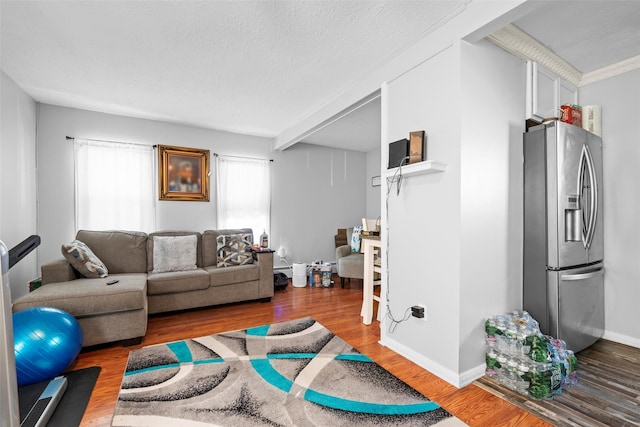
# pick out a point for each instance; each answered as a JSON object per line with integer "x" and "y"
{"x": 419, "y": 311}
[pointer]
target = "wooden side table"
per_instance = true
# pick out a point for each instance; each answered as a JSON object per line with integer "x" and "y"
{"x": 370, "y": 244}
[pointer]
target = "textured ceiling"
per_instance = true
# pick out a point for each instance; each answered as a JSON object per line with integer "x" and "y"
{"x": 258, "y": 67}
{"x": 589, "y": 35}
{"x": 254, "y": 67}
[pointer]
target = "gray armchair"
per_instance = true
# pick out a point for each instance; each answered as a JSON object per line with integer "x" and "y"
{"x": 349, "y": 265}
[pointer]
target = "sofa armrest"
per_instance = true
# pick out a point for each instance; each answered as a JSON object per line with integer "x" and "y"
{"x": 57, "y": 271}
{"x": 342, "y": 251}
{"x": 265, "y": 262}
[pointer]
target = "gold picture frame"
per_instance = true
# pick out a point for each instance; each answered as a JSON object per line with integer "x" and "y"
{"x": 183, "y": 173}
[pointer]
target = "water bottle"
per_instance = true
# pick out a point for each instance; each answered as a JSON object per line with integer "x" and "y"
{"x": 540, "y": 386}
{"x": 556, "y": 377}
{"x": 524, "y": 366}
{"x": 264, "y": 239}
{"x": 492, "y": 363}
{"x": 572, "y": 374}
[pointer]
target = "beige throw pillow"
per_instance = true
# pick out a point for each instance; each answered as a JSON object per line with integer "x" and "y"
{"x": 84, "y": 260}
{"x": 174, "y": 253}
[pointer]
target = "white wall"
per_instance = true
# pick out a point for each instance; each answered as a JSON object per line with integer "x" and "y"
{"x": 455, "y": 237}
{"x": 619, "y": 97}
{"x": 493, "y": 107}
{"x": 373, "y": 193}
{"x": 306, "y": 208}
{"x": 18, "y": 178}
{"x": 424, "y": 219}
{"x": 316, "y": 191}
{"x": 55, "y": 174}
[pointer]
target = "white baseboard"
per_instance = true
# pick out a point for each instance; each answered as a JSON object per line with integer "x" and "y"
{"x": 622, "y": 339}
{"x": 470, "y": 375}
{"x": 453, "y": 378}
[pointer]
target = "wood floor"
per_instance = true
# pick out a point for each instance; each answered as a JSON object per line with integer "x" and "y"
{"x": 337, "y": 309}
{"x": 607, "y": 393}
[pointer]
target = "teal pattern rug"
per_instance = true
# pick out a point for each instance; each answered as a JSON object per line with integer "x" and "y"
{"x": 295, "y": 373}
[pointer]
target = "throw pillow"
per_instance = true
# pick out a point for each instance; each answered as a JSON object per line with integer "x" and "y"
{"x": 355, "y": 238}
{"x": 84, "y": 260}
{"x": 174, "y": 253}
{"x": 234, "y": 249}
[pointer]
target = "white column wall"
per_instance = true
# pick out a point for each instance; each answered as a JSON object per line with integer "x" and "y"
{"x": 619, "y": 97}
{"x": 455, "y": 237}
{"x": 492, "y": 111}
{"x": 424, "y": 220}
{"x": 18, "y": 178}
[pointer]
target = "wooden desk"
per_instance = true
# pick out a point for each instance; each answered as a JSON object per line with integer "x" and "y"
{"x": 370, "y": 244}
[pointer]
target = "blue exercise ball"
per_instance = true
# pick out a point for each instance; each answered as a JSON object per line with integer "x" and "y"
{"x": 46, "y": 341}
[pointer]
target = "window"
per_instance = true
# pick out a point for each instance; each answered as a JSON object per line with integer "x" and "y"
{"x": 244, "y": 193}
{"x": 114, "y": 186}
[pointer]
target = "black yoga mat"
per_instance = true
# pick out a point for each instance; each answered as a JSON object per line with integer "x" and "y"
{"x": 71, "y": 407}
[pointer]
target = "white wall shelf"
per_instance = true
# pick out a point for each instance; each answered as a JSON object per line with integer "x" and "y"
{"x": 420, "y": 168}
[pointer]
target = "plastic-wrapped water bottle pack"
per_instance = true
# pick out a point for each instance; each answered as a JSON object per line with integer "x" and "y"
{"x": 521, "y": 358}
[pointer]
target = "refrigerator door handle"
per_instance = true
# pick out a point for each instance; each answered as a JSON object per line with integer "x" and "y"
{"x": 589, "y": 224}
{"x": 583, "y": 276}
{"x": 593, "y": 209}
{"x": 580, "y": 185}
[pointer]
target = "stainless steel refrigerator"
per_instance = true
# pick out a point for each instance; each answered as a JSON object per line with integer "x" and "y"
{"x": 563, "y": 232}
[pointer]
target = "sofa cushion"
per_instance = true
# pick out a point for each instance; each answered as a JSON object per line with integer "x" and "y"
{"x": 210, "y": 243}
{"x": 174, "y": 253}
{"x": 150, "y": 245}
{"x": 84, "y": 260}
{"x": 121, "y": 251}
{"x": 231, "y": 275}
{"x": 90, "y": 297}
{"x": 177, "y": 281}
{"x": 234, "y": 249}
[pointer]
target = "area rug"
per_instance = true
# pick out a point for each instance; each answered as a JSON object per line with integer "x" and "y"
{"x": 295, "y": 373}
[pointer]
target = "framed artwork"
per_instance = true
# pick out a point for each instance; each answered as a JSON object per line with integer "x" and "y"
{"x": 417, "y": 147}
{"x": 183, "y": 173}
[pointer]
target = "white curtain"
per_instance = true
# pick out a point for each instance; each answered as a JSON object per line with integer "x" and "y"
{"x": 244, "y": 194}
{"x": 114, "y": 185}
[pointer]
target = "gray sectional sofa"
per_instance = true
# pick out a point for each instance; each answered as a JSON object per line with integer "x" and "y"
{"x": 119, "y": 311}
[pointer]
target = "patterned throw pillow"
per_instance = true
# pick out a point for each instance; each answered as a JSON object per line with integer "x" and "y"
{"x": 355, "y": 238}
{"x": 174, "y": 253}
{"x": 234, "y": 249}
{"x": 84, "y": 260}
